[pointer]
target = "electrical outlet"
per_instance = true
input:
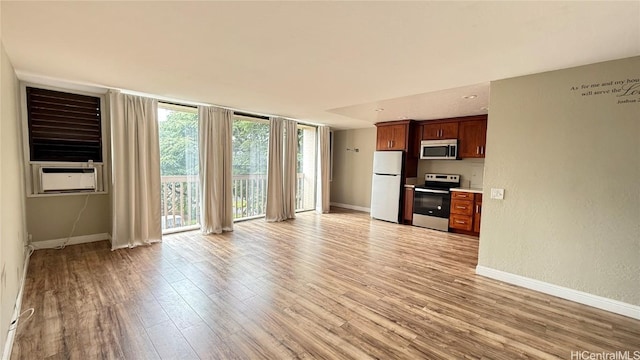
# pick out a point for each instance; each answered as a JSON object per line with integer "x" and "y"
{"x": 497, "y": 194}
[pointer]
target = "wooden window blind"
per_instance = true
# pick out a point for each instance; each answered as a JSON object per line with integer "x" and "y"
{"x": 64, "y": 127}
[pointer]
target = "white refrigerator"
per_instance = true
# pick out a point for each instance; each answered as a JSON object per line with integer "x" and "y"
{"x": 385, "y": 188}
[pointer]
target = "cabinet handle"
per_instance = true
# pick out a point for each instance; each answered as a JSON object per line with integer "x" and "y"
{"x": 477, "y": 149}
{"x": 461, "y": 207}
{"x": 477, "y": 208}
{"x": 459, "y": 222}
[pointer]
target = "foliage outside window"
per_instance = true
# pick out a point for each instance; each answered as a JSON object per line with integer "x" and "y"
{"x": 178, "y": 138}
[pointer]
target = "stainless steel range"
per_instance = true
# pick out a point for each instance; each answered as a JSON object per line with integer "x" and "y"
{"x": 432, "y": 201}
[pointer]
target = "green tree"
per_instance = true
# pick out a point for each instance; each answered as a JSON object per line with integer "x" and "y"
{"x": 178, "y": 136}
{"x": 250, "y": 146}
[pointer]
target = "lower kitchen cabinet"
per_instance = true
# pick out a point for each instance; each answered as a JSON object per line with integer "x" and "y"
{"x": 407, "y": 212}
{"x": 465, "y": 212}
{"x": 461, "y": 222}
{"x": 476, "y": 213}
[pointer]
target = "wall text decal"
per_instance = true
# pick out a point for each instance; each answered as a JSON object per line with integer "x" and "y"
{"x": 623, "y": 91}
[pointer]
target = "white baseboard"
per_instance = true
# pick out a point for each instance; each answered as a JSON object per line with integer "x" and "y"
{"x": 52, "y": 244}
{"x": 8, "y": 345}
{"x": 614, "y": 306}
{"x": 352, "y": 207}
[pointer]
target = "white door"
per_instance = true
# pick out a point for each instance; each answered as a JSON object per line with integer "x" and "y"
{"x": 385, "y": 197}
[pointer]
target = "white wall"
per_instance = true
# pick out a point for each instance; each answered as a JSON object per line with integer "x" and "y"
{"x": 12, "y": 197}
{"x": 353, "y": 171}
{"x": 570, "y": 167}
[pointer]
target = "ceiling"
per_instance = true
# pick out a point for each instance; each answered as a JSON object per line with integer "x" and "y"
{"x": 323, "y": 62}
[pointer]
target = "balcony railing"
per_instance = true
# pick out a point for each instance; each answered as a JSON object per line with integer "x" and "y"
{"x": 181, "y": 198}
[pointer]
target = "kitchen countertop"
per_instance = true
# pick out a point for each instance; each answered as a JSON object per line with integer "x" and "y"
{"x": 470, "y": 190}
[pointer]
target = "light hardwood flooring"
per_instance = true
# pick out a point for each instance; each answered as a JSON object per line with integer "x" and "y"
{"x": 333, "y": 286}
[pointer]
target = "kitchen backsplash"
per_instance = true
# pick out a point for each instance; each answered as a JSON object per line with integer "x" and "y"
{"x": 471, "y": 170}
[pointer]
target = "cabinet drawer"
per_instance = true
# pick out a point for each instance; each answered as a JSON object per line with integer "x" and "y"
{"x": 461, "y": 195}
{"x": 462, "y": 207}
{"x": 462, "y": 222}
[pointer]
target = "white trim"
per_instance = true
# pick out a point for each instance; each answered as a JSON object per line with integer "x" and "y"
{"x": 8, "y": 345}
{"x": 352, "y": 207}
{"x": 614, "y": 306}
{"x": 52, "y": 244}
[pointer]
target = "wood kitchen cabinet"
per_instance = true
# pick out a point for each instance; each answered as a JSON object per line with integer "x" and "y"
{"x": 473, "y": 138}
{"x": 407, "y": 212}
{"x": 477, "y": 213}
{"x": 442, "y": 130}
{"x": 465, "y": 212}
{"x": 392, "y": 136}
{"x": 400, "y": 135}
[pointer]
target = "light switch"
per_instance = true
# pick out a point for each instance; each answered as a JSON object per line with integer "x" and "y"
{"x": 497, "y": 194}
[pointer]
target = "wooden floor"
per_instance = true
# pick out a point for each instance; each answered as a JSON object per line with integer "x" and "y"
{"x": 334, "y": 286}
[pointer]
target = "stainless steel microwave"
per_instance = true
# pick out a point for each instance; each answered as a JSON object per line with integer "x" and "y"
{"x": 439, "y": 149}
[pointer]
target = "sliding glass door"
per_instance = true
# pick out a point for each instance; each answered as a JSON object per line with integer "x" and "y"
{"x": 250, "y": 162}
{"x": 178, "y": 132}
{"x": 306, "y": 184}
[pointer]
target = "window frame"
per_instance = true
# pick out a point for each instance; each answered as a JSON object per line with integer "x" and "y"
{"x": 32, "y": 168}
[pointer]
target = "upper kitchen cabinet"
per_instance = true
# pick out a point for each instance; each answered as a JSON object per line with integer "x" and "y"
{"x": 393, "y": 135}
{"x": 400, "y": 135}
{"x": 437, "y": 131}
{"x": 473, "y": 138}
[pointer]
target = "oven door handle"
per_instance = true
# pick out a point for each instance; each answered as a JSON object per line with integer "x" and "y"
{"x": 431, "y": 191}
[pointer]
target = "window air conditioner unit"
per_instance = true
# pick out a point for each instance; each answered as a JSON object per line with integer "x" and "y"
{"x": 57, "y": 179}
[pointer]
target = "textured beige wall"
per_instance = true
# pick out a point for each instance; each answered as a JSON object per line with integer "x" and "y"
{"x": 12, "y": 196}
{"x": 52, "y": 217}
{"x": 353, "y": 171}
{"x": 570, "y": 167}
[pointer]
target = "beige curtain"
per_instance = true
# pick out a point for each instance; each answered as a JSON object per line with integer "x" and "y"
{"x": 275, "y": 206}
{"x": 135, "y": 162}
{"x": 281, "y": 173}
{"x": 324, "y": 168}
{"x": 290, "y": 167}
{"x": 214, "y": 139}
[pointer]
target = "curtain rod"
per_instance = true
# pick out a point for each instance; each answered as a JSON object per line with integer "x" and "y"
{"x": 178, "y": 104}
{"x": 235, "y": 111}
{"x": 239, "y": 113}
{"x": 242, "y": 113}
